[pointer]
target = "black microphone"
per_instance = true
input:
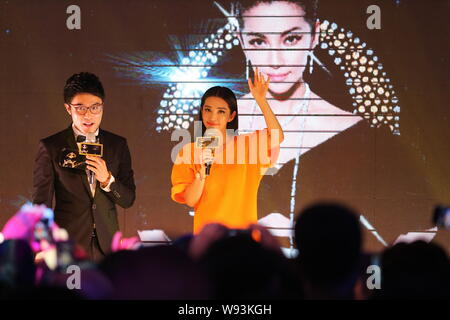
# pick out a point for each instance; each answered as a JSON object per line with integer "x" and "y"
{"x": 90, "y": 137}
{"x": 208, "y": 168}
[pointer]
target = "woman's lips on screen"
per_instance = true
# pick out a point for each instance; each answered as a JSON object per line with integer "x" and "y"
{"x": 278, "y": 77}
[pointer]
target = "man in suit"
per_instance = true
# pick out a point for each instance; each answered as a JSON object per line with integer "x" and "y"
{"x": 85, "y": 206}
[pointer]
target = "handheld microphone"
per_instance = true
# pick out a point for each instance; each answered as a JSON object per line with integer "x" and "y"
{"x": 208, "y": 167}
{"x": 90, "y": 137}
{"x": 210, "y": 140}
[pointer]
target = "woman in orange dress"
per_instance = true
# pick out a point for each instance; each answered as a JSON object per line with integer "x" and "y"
{"x": 228, "y": 194}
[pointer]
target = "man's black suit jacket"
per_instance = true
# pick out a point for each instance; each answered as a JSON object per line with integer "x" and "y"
{"x": 75, "y": 208}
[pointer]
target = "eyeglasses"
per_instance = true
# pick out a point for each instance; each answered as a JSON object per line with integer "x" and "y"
{"x": 81, "y": 110}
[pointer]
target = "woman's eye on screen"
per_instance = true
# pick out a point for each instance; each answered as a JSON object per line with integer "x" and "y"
{"x": 292, "y": 40}
{"x": 257, "y": 42}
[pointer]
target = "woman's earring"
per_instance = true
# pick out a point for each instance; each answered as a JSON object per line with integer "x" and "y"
{"x": 250, "y": 74}
{"x": 311, "y": 62}
{"x": 247, "y": 73}
{"x": 312, "y": 58}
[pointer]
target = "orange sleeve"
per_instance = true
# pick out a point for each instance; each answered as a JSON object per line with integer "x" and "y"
{"x": 182, "y": 176}
{"x": 269, "y": 156}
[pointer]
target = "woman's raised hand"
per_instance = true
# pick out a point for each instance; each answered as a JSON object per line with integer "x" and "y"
{"x": 259, "y": 86}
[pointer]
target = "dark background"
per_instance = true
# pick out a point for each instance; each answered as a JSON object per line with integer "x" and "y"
{"x": 38, "y": 53}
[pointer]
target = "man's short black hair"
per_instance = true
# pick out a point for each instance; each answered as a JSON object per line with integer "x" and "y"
{"x": 83, "y": 82}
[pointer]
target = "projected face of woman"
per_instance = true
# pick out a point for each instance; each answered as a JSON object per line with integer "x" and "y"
{"x": 279, "y": 26}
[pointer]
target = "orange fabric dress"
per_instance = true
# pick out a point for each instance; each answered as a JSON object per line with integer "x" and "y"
{"x": 230, "y": 192}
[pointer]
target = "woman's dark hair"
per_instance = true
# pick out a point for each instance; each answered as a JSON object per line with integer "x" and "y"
{"x": 83, "y": 82}
{"x": 309, "y": 6}
{"x": 229, "y": 97}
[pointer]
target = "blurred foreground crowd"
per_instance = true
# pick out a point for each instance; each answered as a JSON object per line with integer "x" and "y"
{"x": 38, "y": 261}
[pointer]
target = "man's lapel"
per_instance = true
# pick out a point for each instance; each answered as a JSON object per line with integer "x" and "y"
{"x": 70, "y": 139}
